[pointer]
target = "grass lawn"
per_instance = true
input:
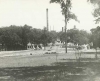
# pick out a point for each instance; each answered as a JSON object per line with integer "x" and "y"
{"x": 60, "y": 71}
{"x": 48, "y": 67}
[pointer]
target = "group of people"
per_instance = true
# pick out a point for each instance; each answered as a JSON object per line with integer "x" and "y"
{"x": 35, "y": 46}
{"x": 80, "y": 47}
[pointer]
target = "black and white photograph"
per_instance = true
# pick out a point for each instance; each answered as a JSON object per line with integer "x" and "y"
{"x": 49, "y": 40}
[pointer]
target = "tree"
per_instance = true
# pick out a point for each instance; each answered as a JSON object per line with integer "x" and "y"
{"x": 78, "y": 36}
{"x": 45, "y": 37}
{"x": 62, "y": 37}
{"x": 17, "y": 37}
{"x": 75, "y": 36}
{"x": 10, "y": 40}
{"x": 53, "y": 36}
{"x": 65, "y": 6}
{"x": 35, "y": 36}
{"x": 25, "y": 31}
{"x": 96, "y": 12}
{"x": 14, "y": 37}
{"x": 96, "y": 38}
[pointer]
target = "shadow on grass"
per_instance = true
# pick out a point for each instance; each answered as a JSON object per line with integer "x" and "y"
{"x": 62, "y": 71}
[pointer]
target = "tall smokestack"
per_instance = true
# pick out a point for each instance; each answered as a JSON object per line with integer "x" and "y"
{"x": 47, "y": 19}
{"x": 62, "y": 29}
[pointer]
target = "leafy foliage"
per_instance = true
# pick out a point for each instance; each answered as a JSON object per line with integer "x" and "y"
{"x": 96, "y": 37}
{"x": 17, "y": 37}
{"x": 75, "y": 36}
{"x": 66, "y": 6}
{"x": 96, "y": 12}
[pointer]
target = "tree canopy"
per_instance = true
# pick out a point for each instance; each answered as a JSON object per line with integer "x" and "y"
{"x": 66, "y": 7}
{"x": 76, "y": 36}
{"x": 17, "y": 37}
{"x": 96, "y": 36}
{"x": 96, "y": 12}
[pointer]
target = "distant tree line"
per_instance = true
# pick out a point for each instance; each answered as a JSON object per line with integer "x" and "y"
{"x": 17, "y": 37}
{"x": 95, "y": 37}
{"x": 76, "y": 36}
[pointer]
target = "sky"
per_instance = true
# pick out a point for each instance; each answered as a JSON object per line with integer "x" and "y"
{"x": 33, "y": 13}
